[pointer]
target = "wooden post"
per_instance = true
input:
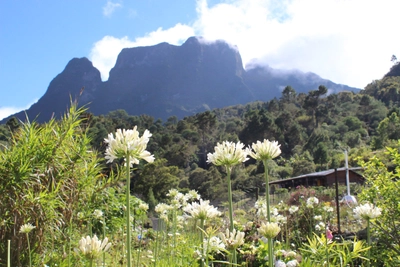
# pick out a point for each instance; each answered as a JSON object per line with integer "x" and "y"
{"x": 337, "y": 200}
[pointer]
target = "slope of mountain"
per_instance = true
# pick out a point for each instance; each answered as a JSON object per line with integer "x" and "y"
{"x": 166, "y": 80}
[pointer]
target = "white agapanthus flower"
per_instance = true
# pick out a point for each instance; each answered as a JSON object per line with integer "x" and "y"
{"x": 210, "y": 245}
{"x": 98, "y": 214}
{"x": 293, "y": 209}
{"x": 367, "y": 211}
{"x": 162, "y": 209}
{"x": 269, "y": 229}
{"x": 128, "y": 142}
{"x": 328, "y": 209}
{"x": 318, "y": 217}
{"x": 232, "y": 240}
{"x": 265, "y": 150}
{"x": 320, "y": 226}
{"x": 312, "y": 202}
{"x": 26, "y": 228}
{"x": 92, "y": 247}
{"x": 228, "y": 154}
{"x": 292, "y": 263}
{"x": 192, "y": 195}
{"x": 202, "y": 210}
{"x": 280, "y": 263}
{"x": 177, "y": 198}
{"x": 143, "y": 206}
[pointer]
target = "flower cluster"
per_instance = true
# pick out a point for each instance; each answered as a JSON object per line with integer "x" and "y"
{"x": 312, "y": 202}
{"x": 128, "y": 143}
{"x": 269, "y": 229}
{"x": 202, "y": 210}
{"x": 97, "y": 214}
{"x": 210, "y": 245}
{"x": 233, "y": 239}
{"x": 26, "y": 228}
{"x": 178, "y": 199}
{"x": 143, "y": 206}
{"x": 92, "y": 247}
{"x": 228, "y": 154}
{"x": 367, "y": 211}
{"x": 265, "y": 150}
{"x": 293, "y": 209}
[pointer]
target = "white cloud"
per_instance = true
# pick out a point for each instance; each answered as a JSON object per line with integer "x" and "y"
{"x": 346, "y": 41}
{"x": 104, "y": 53}
{"x": 110, "y": 7}
{"x": 7, "y": 111}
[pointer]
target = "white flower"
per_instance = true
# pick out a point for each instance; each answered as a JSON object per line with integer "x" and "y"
{"x": 210, "y": 245}
{"x": 128, "y": 143}
{"x": 312, "y": 202}
{"x": 214, "y": 244}
{"x": 269, "y": 229}
{"x": 177, "y": 198}
{"x": 162, "y": 208}
{"x": 265, "y": 150}
{"x": 280, "y": 263}
{"x": 232, "y": 240}
{"x": 192, "y": 194}
{"x": 290, "y": 254}
{"x": 293, "y": 209}
{"x": 92, "y": 247}
{"x": 318, "y": 217}
{"x": 228, "y": 154}
{"x": 320, "y": 226}
{"x": 143, "y": 206}
{"x": 202, "y": 210}
{"x": 292, "y": 263}
{"x": 328, "y": 209}
{"x": 98, "y": 214}
{"x": 26, "y": 228}
{"x": 367, "y": 211}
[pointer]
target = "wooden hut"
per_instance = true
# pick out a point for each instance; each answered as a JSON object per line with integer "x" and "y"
{"x": 323, "y": 178}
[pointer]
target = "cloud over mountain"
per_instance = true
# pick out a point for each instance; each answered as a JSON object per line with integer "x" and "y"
{"x": 309, "y": 35}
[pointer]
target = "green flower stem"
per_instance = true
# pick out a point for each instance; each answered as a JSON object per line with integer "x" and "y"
{"x": 29, "y": 250}
{"x": 104, "y": 236}
{"x": 128, "y": 209}
{"x": 270, "y": 241}
{"x": 228, "y": 170}
{"x": 369, "y": 242}
{"x": 202, "y": 243}
{"x": 9, "y": 254}
{"x": 140, "y": 245}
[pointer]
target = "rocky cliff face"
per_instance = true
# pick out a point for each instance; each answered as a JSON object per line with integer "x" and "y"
{"x": 166, "y": 80}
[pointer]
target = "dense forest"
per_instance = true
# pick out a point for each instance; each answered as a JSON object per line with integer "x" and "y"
{"x": 313, "y": 129}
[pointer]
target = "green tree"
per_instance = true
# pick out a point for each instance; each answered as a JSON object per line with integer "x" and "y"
{"x": 321, "y": 156}
{"x": 288, "y": 94}
{"x": 312, "y": 102}
{"x": 159, "y": 178}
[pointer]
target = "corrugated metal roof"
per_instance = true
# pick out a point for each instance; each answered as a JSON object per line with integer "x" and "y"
{"x": 315, "y": 174}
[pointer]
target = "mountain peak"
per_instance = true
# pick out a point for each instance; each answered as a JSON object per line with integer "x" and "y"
{"x": 166, "y": 80}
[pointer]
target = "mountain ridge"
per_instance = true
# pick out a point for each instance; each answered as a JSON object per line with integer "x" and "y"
{"x": 166, "y": 80}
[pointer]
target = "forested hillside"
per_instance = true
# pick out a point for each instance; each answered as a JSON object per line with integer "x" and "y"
{"x": 313, "y": 129}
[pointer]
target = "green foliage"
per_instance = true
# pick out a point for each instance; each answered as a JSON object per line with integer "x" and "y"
{"x": 48, "y": 174}
{"x": 321, "y": 250}
{"x": 383, "y": 184}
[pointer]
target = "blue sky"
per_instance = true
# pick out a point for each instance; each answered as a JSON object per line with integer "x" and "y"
{"x": 346, "y": 41}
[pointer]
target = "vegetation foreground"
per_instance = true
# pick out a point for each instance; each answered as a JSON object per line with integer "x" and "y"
{"x": 62, "y": 205}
